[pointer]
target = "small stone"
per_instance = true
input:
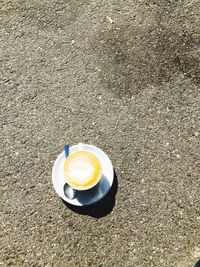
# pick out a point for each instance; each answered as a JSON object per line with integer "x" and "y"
{"x": 178, "y": 156}
{"x": 109, "y": 19}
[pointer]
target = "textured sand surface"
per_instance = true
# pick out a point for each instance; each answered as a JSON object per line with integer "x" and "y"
{"x": 124, "y": 76}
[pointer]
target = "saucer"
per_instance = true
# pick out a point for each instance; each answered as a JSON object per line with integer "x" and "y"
{"x": 87, "y": 197}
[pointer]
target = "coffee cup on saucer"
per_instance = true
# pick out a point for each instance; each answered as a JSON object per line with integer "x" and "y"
{"x": 88, "y": 177}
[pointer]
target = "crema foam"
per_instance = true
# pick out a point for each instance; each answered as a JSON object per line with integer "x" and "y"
{"x": 82, "y": 170}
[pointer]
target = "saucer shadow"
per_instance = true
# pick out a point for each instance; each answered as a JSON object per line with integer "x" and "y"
{"x": 100, "y": 209}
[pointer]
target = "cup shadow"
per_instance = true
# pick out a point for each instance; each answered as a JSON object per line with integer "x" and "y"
{"x": 100, "y": 209}
{"x": 197, "y": 264}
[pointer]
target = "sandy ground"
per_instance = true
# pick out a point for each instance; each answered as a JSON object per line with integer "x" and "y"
{"x": 124, "y": 76}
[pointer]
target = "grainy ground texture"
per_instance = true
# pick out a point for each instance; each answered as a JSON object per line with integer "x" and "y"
{"x": 124, "y": 76}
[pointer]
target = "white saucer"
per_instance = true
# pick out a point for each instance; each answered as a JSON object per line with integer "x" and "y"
{"x": 93, "y": 195}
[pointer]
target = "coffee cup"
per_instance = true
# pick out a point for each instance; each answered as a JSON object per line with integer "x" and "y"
{"x": 82, "y": 170}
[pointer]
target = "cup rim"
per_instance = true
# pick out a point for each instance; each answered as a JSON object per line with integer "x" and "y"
{"x": 100, "y": 175}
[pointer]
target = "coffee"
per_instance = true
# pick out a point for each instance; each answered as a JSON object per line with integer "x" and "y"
{"x": 82, "y": 170}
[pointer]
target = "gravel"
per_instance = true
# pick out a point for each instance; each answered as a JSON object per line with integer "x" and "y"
{"x": 124, "y": 76}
